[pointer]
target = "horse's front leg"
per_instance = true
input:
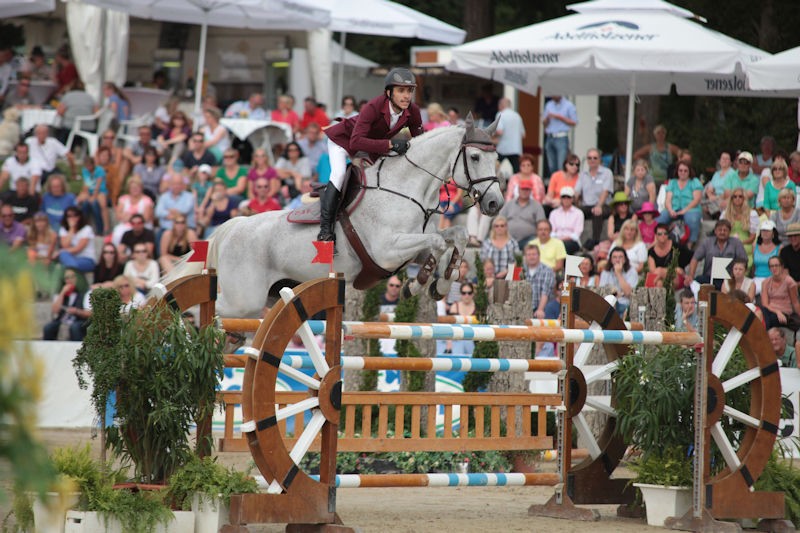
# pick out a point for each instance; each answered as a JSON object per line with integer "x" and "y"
{"x": 456, "y": 238}
{"x": 425, "y": 247}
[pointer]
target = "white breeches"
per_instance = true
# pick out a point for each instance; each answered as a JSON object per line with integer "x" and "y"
{"x": 338, "y": 158}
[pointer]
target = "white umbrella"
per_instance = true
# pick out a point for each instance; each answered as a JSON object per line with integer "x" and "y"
{"x": 381, "y": 17}
{"x": 613, "y": 47}
{"x": 20, "y": 8}
{"x": 252, "y": 14}
{"x": 779, "y": 72}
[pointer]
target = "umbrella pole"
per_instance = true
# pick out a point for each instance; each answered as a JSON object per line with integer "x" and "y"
{"x": 629, "y": 137}
{"x": 340, "y": 83}
{"x": 201, "y": 59}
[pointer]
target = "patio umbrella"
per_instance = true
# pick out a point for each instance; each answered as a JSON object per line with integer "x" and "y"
{"x": 780, "y": 72}
{"x": 20, "y": 8}
{"x": 381, "y": 17}
{"x": 613, "y": 47}
{"x": 251, "y": 14}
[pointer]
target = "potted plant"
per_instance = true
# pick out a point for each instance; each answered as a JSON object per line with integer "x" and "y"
{"x": 654, "y": 414}
{"x": 205, "y": 487}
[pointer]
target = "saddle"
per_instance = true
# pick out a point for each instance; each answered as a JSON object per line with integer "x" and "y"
{"x": 353, "y": 191}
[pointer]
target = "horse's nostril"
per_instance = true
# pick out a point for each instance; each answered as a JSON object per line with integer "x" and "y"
{"x": 492, "y": 207}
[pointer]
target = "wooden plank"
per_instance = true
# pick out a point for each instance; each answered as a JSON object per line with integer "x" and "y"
{"x": 440, "y": 444}
{"x": 495, "y": 421}
{"x": 350, "y": 420}
{"x": 479, "y": 422}
{"x": 447, "y": 428}
{"x": 383, "y": 420}
{"x": 415, "y": 421}
{"x": 431, "y": 430}
{"x": 366, "y": 422}
{"x": 399, "y": 422}
{"x": 463, "y": 428}
{"x": 511, "y": 421}
{"x": 541, "y": 422}
{"x": 229, "y": 413}
{"x": 526, "y": 421}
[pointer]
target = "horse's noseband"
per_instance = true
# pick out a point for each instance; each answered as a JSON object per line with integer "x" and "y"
{"x": 471, "y": 183}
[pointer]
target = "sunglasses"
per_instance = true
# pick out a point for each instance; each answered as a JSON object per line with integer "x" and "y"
{"x": 778, "y": 168}
{"x": 109, "y": 252}
{"x": 737, "y": 196}
{"x": 572, "y": 163}
{"x": 662, "y": 233}
{"x": 395, "y": 285}
{"x": 592, "y": 157}
{"x": 140, "y": 251}
{"x": 229, "y": 156}
{"x": 127, "y": 285}
{"x": 744, "y": 161}
{"x": 466, "y": 293}
{"x": 73, "y": 215}
{"x": 262, "y": 186}
{"x": 499, "y": 226}
{"x": 108, "y": 136}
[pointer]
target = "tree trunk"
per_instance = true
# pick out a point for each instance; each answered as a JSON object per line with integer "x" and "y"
{"x": 478, "y": 19}
{"x": 353, "y": 300}
{"x": 768, "y": 31}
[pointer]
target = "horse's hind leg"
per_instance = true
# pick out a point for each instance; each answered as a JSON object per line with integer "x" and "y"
{"x": 456, "y": 238}
{"x": 427, "y": 248}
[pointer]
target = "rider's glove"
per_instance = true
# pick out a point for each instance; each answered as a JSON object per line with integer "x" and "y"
{"x": 400, "y": 146}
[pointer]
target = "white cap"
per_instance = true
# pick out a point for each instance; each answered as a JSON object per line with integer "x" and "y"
{"x": 204, "y": 168}
{"x": 567, "y": 191}
{"x": 767, "y": 225}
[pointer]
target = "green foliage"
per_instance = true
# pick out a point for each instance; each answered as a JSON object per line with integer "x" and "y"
{"x": 208, "y": 479}
{"x": 370, "y": 309}
{"x": 425, "y": 462}
{"x": 671, "y": 467}
{"x": 406, "y": 311}
{"x": 669, "y": 280}
{"x": 781, "y": 475}
{"x": 166, "y": 381}
{"x": 475, "y": 381}
{"x": 138, "y": 512}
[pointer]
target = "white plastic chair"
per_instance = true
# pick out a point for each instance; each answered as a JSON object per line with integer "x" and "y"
{"x": 129, "y": 129}
{"x": 102, "y": 118}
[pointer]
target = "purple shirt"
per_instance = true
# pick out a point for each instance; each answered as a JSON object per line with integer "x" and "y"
{"x": 13, "y": 234}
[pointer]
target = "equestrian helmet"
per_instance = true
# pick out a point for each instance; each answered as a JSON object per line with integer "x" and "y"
{"x": 400, "y": 77}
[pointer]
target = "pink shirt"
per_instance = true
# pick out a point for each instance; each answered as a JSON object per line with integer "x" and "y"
{"x": 512, "y": 190}
{"x": 567, "y": 225}
{"x": 648, "y": 231}
{"x": 779, "y": 293}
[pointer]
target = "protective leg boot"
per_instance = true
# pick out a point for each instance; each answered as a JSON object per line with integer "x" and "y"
{"x": 329, "y": 206}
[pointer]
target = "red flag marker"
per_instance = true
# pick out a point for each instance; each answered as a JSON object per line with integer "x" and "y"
{"x": 324, "y": 252}
{"x": 200, "y": 252}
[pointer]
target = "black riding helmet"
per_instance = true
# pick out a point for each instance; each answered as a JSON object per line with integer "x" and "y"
{"x": 399, "y": 77}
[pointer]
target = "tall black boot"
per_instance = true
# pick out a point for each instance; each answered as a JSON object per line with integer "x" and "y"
{"x": 329, "y": 206}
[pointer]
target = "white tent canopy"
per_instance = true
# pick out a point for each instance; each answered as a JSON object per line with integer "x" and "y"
{"x": 20, "y": 8}
{"x": 779, "y": 72}
{"x": 613, "y": 47}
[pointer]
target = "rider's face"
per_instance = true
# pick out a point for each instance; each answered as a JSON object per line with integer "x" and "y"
{"x": 401, "y": 96}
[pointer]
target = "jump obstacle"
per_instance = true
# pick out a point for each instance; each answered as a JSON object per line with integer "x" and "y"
{"x": 304, "y": 502}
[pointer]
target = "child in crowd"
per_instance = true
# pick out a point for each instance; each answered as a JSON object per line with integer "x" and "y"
{"x": 93, "y": 198}
{"x": 647, "y": 222}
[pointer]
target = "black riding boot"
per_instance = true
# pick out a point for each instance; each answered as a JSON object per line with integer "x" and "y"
{"x": 329, "y": 206}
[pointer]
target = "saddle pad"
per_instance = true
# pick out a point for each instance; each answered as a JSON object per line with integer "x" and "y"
{"x": 353, "y": 192}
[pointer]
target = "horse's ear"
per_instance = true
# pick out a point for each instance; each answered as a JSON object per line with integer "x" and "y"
{"x": 469, "y": 122}
{"x": 490, "y": 129}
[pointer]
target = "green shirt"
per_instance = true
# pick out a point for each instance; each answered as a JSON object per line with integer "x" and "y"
{"x": 241, "y": 172}
{"x": 749, "y": 183}
{"x": 789, "y": 358}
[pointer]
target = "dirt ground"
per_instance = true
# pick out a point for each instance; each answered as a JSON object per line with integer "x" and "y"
{"x": 459, "y": 509}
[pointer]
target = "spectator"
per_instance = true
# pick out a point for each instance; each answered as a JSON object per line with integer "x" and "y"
{"x": 313, "y": 144}
{"x": 436, "y": 117}
{"x": 41, "y": 241}
{"x": 133, "y": 203}
{"x": 45, "y": 151}
{"x": 594, "y": 186}
{"x": 300, "y": 199}
{"x": 174, "y": 203}
{"x": 455, "y": 288}
{"x": 348, "y": 109}
{"x": 525, "y": 174}
{"x": 589, "y": 276}
{"x": 486, "y": 105}
{"x": 233, "y": 175}
{"x": 197, "y": 155}
{"x": 70, "y": 307}
{"x": 76, "y": 102}
{"x": 215, "y": 136}
{"x": 779, "y": 303}
{"x": 510, "y": 131}
{"x": 117, "y": 101}
{"x": 133, "y": 153}
{"x": 108, "y": 268}
{"x": 794, "y": 167}
{"x": 741, "y": 282}
{"x": 744, "y": 179}
{"x": 786, "y": 213}
{"x": 785, "y": 353}
{"x": 201, "y": 190}
{"x": 715, "y": 200}
{"x": 500, "y": 247}
{"x": 774, "y": 184}
{"x": 559, "y": 116}
{"x": 66, "y": 74}
{"x": 172, "y": 142}
{"x": 286, "y": 114}
{"x": 312, "y": 112}
{"x": 262, "y": 169}
{"x": 744, "y": 220}
{"x": 660, "y": 154}
{"x": 719, "y": 245}
{"x": 109, "y": 156}
{"x": 543, "y": 283}
{"x": 523, "y": 214}
{"x": 765, "y": 158}
{"x": 163, "y": 114}
{"x": 36, "y": 68}
{"x": 150, "y": 173}
{"x": 56, "y": 199}
{"x": 566, "y": 177}
{"x": 489, "y": 275}
{"x": 220, "y": 209}
{"x": 93, "y": 198}
{"x": 450, "y": 203}
{"x": 465, "y": 306}
{"x": 630, "y": 240}
{"x": 620, "y": 213}
{"x": 790, "y": 254}
{"x": 684, "y": 156}
{"x": 19, "y": 166}
{"x": 391, "y": 296}
{"x": 567, "y": 221}
{"x": 12, "y": 232}
{"x": 252, "y": 108}
{"x": 551, "y": 250}
{"x": 640, "y": 187}
{"x": 261, "y": 201}
{"x": 621, "y": 276}
{"x": 292, "y": 167}
{"x": 175, "y": 243}
{"x": 686, "y": 312}
{"x": 7, "y": 69}
{"x": 684, "y": 195}
{"x": 138, "y": 234}
{"x": 130, "y": 298}
{"x": 660, "y": 256}
{"x": 142, "y": 269}
{"x": 21, "y": 97}
{"x": 77, "y": 242}
{"x": 22, "y": 201}
{"x": 767, "y": 247}
{"x": 647, "y": 223}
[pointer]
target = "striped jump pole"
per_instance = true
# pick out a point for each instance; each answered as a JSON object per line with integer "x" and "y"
{"x": 352, "y": 481}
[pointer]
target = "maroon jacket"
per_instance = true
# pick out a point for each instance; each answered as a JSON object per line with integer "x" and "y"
{"x": 369, "y": 130}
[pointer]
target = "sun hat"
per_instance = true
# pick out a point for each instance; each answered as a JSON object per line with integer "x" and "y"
{"x": 745, "y": 155}
{"x": 793, "y": 229}
{"x": 620, "y": 198}
{"x": 567, "y": 191}
{"x": 647, "y": 207}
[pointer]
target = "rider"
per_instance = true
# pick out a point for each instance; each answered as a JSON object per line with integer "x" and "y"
{"x": 370, "y": 131}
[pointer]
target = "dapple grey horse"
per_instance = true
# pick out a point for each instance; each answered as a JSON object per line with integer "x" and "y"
{"x": 397, "y": 218}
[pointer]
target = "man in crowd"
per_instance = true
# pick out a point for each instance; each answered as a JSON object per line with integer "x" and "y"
{"x": 75, "y": 103}
{"x": 176, "y": 202}
{"x": 744, "y": 178}
{"x": 138, "y": 234}
{"x": 12, "y": 233}
{"x": 19, "y": 166}
{"x": 718, "y": 245}
{"x": 197, "y": 155}
{"x": 790, "y": 253}
{"x": 45, "y": 151}
{"x": 313, "y": 113}
{"x": 22, "y": 201}
{"x": 686, "y": 312}
{"x": 543, "y": 282}
{"x": 510, "y": 132}
{"x": 594, "y": 187}
{"x": 559, "y": 116}
{"x": 133, "y": 154}
{"x": 794, "y": 167}
{"x": 567, "y": 221}
{"x": 391, "y": 297}
{"x": 786, "y": 354}
{"x": 252, "y": 108}
{"x": 313, "y": 143}
{"x": 552, "y": 251}
{"x": 21, "y": 96}
{"x": 523, "y": 214}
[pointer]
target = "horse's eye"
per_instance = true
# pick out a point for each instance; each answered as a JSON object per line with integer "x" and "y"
{"x": 475, "y": 157}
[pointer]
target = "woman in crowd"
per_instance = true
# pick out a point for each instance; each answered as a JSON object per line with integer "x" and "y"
{"x": 740, "y": 281}
{"x": 220, "y": 209}
{"x": 215, "y": 134}
{"x": 640, "y": 187}
{"x": 437, "y": 118}
{"x": 150, "y": 172}
{"x": 201, "y": 190}
{"x": 589, "y": 276}
{"x": 348, "y": 108}
{"x": 117, "y": 101}
{"x": 630, "y": 240}
{"x": 450, "y": 202}
{"x": 489, "y": 275}
{"x": 108, "y": 268}
{"x": 175, "y": 243}
{"x": 292, "y": 167}
{"x": 526, "y": 174}
{"x": 233, "y": 175}
{"x": 466, "y": 305}
{"x": 767, "y": 246}
{"x": 715, "y": 189}
{"x": 661, "y": 154}
{"x": 786, "y": 213}
{"x": 620, "y": 213}
{"x": 743, "y": 219}
{"x": 775, "y": 183}
{"x": 683, "y": 201}
{"x": 130, "y": 297}
{"x": 779, "y": 302}
{"x": 163, "y": 115}
{"x": 133, "y": 203}
{"x": 620, "y": 275}
{"x": 173, "y": 140}
{"x": 500, "y": 247}
{"x": 141, "y": 269}
{"x": 56, "y": 199}
{"x": 109, "y": 156}
{"x": 68, "y": 308}
{"x": 41, "y": 241}
{"x": 659, "y": 257}
{"x": 262, "y": 169}
{"x": 566, "y": 177}
{"x": 286, "y": 114}
{"x": 76, "y": 238}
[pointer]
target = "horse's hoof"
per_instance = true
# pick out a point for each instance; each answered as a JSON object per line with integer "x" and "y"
{"x": 434, "y": 294}
{"x": 455, "y": 262}
{"x": 426, "y": 270}
{"x": 407, "y": 290}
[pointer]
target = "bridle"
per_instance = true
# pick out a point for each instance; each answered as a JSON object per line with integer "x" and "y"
{"x": 470, "y": 188}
